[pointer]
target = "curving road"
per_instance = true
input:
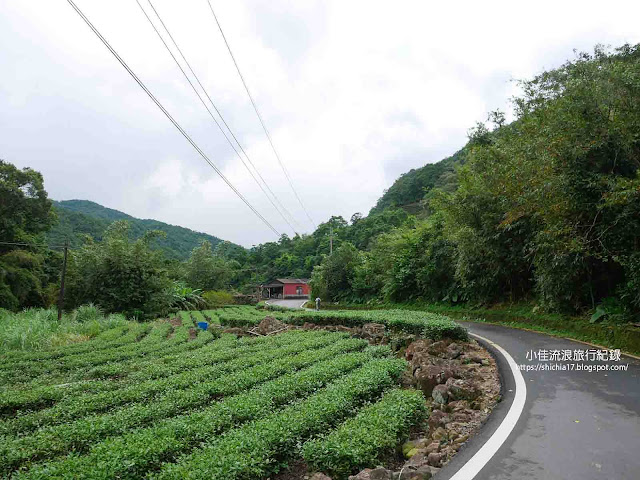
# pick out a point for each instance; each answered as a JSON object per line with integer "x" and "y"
{"x": 575, "y": 424}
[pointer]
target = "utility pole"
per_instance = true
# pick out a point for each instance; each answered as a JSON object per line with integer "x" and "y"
{"x": 62, "y": 276}
{"x": 330, "y": 240}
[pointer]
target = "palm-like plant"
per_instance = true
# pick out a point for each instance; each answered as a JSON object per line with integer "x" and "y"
{"x": 184, "y": 297}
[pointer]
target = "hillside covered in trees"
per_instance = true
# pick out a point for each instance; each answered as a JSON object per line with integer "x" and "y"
{"x": 77, "y": 218}
{"x": 545, "y": 208}
{"x": 410, "y": 189}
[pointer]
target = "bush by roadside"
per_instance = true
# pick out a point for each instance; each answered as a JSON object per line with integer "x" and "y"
{"x": 626, "y": 337}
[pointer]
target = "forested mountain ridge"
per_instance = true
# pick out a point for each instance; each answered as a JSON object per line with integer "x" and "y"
{"x": 411, "y": 187}
{"x": 77, "y": 218}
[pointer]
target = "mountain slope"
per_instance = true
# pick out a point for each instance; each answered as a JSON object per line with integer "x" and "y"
{"x": 411, "y": 187}
{"x": 80, "y": 217}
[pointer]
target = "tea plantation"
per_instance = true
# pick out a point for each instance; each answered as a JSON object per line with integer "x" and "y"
{"x": 158, "y": 400}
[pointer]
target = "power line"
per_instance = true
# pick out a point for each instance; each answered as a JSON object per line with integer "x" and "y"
{"x": 168, "y": 115}
{"x": 255, "y": 107}
{"x": 216, "y": 109}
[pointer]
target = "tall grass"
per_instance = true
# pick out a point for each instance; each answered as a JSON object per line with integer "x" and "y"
{"x": 38, "y": 328}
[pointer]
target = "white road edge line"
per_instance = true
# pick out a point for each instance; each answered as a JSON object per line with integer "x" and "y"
{"x": 476, "y": 463}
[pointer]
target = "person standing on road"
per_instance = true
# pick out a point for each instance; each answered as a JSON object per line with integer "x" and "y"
{"x": 318, "y": 303}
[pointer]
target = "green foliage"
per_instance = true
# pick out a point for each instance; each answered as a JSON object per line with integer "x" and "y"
{"x": 412, "y": 186}
{"x": 257, "y": 449}
{"x": 215, "y": 299}
{"x": 366, "y": 439}
{"x": 544, "y": 208}
{"x": 145, "y": 399}
{"x": 428, "y": 325}
{"x": 25, "y": 214}
{"x": 137, "y": 452}
{"x": 413, "y": 264}
{"x": 37, "y": 329}
{"x": 549, "y": 199}
{"x": 120, "y": 275}
{"x": 79, "y": 421}
{"x": 333, "y": 278}
{"x": 611, "y": 334}
{"x": 185, "y": 297}
{"x": 24, "y": 207}
{"x": 206, "y": 271}
{"x": 87, "y": 313}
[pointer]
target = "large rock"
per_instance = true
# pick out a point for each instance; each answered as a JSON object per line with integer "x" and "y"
{"x": 373, "y": 474}
{"x": 440, "y": 434}
{"x": 407, "y": 447}
{"x": 421, "y": 473}
{"x": 342, "y": 328}
{"x": 458, "y": 405}
{"x": 453, "y": 351}
{"x": 424, "y": 473}
{"x": 460, "y": 389}
{"x": 373, "y": 332}
{"x": 428, "y": 377}
{"x": 435, "y": 459}
{"x": 440, "y": 394}
{"x": 417, "y": 346}
{"x": 417, "y": 461}
{"x": 432, "y": 447}
{"x": 271, "y": 325}
{"x": 319, "y": 476}
{"x": 461, "y": 417}
{"x": 438, "y": 349}
{"x": 438, "y": 418}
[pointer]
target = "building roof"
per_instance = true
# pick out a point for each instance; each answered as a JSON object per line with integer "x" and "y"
{"x": 279, "y": 282}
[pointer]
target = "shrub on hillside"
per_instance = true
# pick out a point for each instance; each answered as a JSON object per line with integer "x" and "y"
{"x": 217, "y": 298}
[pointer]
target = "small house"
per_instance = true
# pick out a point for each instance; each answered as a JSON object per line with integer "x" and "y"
{"x": 286, "y": 288}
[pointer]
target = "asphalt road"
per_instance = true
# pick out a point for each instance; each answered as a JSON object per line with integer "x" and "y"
{"x": 295, "y": 303}
{"x": 575, "y": 424}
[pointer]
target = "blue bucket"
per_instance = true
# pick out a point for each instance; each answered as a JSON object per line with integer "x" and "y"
{"x": 203, "y": 325}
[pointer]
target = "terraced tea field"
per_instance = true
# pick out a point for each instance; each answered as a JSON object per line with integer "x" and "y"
{"x": 160, "y": 400}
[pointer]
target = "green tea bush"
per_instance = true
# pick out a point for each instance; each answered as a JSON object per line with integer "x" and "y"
{"x": 276, "y": 308}
{"x": 198, "y": 316}
{"x": 257, "y": 449}
{"x": 185, "y": 317}
{"x": 212, "y": 316}
{"x": 79, "y": 406}
{"x": 365, "y": 439}
{"x": 82, "y": 433}
{"x": 429, "y": 325}
{"x": 140, "y": 451}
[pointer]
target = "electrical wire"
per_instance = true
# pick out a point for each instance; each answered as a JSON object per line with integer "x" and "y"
{"x": 255, "y": 107}
{"x": 217, "y": 111}
{"x": 168, "y": 115}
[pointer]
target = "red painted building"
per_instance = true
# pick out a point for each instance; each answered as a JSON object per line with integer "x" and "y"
{"x": 286, "y": 288}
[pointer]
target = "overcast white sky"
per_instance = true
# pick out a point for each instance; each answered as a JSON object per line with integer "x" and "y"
{"x": 354, "y": 93}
